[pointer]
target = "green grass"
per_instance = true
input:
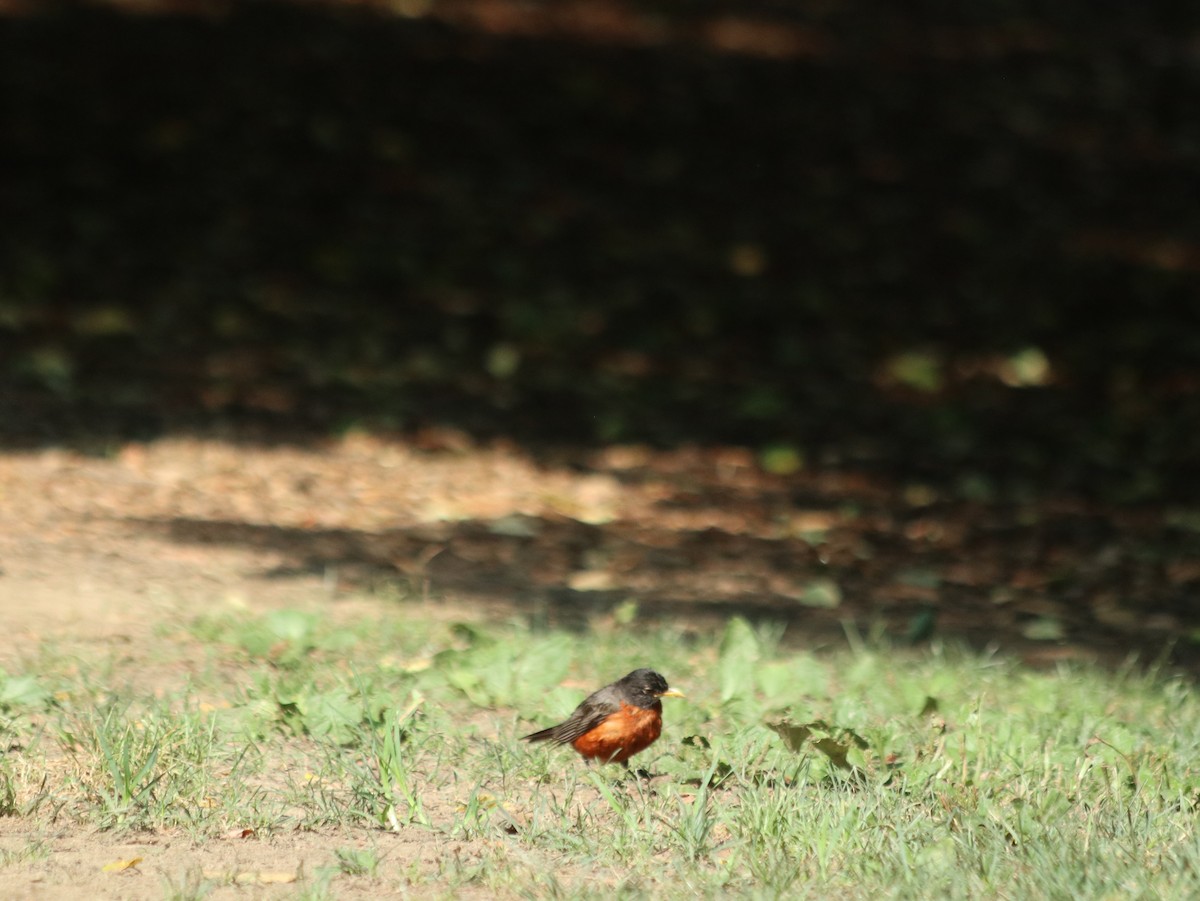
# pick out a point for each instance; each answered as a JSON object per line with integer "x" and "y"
{"x": 894, "y": 774}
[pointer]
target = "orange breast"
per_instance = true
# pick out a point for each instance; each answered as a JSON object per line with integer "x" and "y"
{"x": 620, "y": 736}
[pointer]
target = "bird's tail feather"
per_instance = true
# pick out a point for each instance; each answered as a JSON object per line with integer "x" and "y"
{"x": 541, "y": 735}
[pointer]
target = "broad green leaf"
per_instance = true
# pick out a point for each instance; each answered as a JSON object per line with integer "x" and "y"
{"x": 21, "y": 691}
{"x": 739, "y": 653}
{"x": 834, "y": 742}
{"x": 821, "y": 593}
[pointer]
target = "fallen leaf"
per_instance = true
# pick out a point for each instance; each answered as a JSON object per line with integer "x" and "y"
{"x": 591, "y": 580}
{"x": 1044, "y": 628}
{"x": 515, "y": 525}
{"x": 625, "y": 612}
{"x": 918, "y": 370}
{"x": 834, "y": 742}
{"x": 823, "y": 593}
{"x": 781, "y": 460}
{"x": 118, "y": 866}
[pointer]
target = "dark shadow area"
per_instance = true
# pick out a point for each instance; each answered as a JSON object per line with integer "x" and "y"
{"x": 955, "y": 249}
{"x": 1051, "y": 584}
{"x": 955, "y": 245}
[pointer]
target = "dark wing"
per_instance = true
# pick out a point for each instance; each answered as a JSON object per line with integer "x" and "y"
{"x": 595, "y": 709}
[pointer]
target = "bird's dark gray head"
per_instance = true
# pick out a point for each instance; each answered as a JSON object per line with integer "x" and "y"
{"x": 647, "y": 685}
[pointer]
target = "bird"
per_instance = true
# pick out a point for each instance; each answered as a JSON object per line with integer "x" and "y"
{"x": 616, "y": 722}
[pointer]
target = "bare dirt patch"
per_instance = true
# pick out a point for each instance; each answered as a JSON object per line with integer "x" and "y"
{"x": 97, "y": 547}
{"x": 235, "y": 867}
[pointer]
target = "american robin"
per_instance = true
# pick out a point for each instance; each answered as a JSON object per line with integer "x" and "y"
{"x": 614, "y": 723}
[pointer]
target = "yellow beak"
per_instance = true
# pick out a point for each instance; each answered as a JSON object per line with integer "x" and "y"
{"x": 672, "y": 693}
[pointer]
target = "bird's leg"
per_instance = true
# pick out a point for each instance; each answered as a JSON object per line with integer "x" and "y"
{"x": 639, "y": 773}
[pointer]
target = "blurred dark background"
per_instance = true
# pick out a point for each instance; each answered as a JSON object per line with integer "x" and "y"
{"x": 935, "y": 266}
{"x": 956, "y": 243}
